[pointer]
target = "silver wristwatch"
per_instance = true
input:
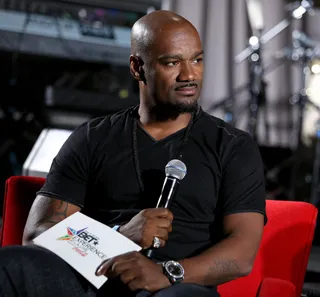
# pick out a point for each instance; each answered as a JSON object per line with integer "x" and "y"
{"x": 174, "y": 271}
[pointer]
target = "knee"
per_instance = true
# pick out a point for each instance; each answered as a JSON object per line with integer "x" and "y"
{"x": 18, "y": 255}
{"x": 187, "y": 290}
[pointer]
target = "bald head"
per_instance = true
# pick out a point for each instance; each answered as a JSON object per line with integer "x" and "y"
{"x": 166, "y": 59}
{"x": 149, "y": 29}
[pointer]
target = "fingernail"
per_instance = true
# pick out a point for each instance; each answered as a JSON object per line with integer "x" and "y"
{"x": 99, "y": 270}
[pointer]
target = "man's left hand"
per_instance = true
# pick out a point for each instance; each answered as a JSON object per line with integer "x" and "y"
{"x": 136, "y": 271}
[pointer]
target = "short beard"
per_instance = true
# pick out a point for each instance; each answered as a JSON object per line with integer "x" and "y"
{"x": 169, "y": 111}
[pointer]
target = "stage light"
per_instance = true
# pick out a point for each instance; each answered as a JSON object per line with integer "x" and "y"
{"x": 311, "y": 112}
{"x": 315, "y": 68}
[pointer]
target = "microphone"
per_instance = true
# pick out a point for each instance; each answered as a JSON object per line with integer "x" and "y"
{"x": 175, "y": 171}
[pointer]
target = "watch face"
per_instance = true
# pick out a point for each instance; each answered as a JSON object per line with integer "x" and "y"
{"x": 174, "y": 269}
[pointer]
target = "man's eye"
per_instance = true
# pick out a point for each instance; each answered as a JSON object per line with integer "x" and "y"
{"x": 172, "y": 63}
{"x": 199, "y": 60}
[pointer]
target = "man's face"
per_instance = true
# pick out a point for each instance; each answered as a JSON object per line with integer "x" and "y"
{"x": 174, "y": 69}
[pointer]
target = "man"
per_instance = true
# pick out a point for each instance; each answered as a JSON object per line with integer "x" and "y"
{"x": 112, "y": 169}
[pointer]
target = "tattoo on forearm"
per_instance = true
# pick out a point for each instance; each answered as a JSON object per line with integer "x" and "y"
{"x": 223, "y": 270}
{"x": 226, "y": 266}
{"x": 45, "y": 213}
{"x": 56, "y": 211}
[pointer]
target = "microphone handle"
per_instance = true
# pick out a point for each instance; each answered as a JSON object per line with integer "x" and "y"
{"x": 169, "y": 189}
{"x": 149, "y": 253}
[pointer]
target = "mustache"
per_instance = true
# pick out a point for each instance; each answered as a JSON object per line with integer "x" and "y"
{"x": 186, "y": 85}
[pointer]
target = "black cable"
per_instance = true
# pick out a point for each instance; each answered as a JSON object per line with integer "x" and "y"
{"x": 135, "y": 143}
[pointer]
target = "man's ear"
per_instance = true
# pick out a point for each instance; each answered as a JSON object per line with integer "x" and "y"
{"x": 136, "y": 68}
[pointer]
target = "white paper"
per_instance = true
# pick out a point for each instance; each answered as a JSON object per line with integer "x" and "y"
{"x": 84, "y": 243}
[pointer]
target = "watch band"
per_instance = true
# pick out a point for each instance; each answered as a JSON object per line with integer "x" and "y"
{"x": 116, "y": 227}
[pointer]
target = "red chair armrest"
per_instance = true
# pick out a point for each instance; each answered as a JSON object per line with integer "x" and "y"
{"x": 19, "y": 195}
{"x": 274, "y": 287}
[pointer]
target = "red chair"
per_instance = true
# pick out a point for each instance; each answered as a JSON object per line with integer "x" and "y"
{"x": 283, "y": 253}
{"x": 280, "y": 265}
{"x": 20, "y": 192}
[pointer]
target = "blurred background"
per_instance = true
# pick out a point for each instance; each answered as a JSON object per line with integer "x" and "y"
{"x": 64, "y": 62}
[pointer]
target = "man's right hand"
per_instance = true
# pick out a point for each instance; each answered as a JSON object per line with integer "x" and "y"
{"x": 147, "y": 224}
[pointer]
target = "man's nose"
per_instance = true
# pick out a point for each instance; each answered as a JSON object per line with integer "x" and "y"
{"x": 186, "y": 73}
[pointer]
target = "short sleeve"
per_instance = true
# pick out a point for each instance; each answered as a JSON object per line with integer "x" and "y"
{"x": 68, "y": 175}
{"x": 243, "y": 182}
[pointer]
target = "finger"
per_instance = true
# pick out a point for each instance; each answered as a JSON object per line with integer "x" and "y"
{"x": 119, "y": 267}
{"x": 104, "y": 267}
{"x": 163, "y": 223}
{"x": 135, "y": 284}
{"x": 107, "y": 264}
{"x": 162, "y": 243}
{"x": 165, "y": 213}
{"x": 161, "y": 233}
{"x": 159, "y": 212}
{"x": 127, "y": 276}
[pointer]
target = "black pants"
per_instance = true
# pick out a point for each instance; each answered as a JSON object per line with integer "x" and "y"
{"x": 36, "y": 272}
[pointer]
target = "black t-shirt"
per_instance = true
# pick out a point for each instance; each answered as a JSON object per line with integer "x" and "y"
{"x": 95, "y": 170}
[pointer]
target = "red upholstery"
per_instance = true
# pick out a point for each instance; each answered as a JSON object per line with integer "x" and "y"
{"x": 280, "y": 264}
{"x": 276, "y": 287}
{"x": 284, "y": 250}
{"x": 20, "y": 192}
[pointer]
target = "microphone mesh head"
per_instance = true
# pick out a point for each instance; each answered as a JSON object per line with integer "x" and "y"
{"x": 176, "y": 168}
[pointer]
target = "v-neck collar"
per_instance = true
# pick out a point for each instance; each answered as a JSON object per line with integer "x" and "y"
{"x": 173, "y": 135}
